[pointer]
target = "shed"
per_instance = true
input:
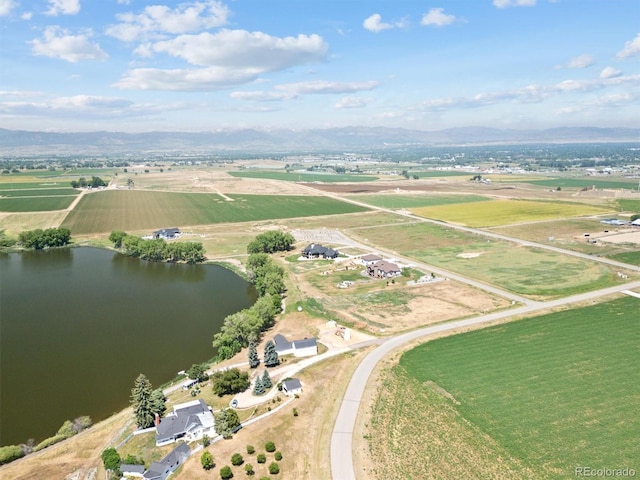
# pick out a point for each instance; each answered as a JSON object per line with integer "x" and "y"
{"x": 291, "y": 386}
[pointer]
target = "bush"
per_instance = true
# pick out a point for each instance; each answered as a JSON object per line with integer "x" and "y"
{"x": 230, "y": 382}
{"x": 111, "y": 459}
{"x": 270, "y": 447}
{"x": 274, "y": 468}
{"x": 295, "y": 412}
{"x": 236, "y": 459}
{"x": 47, "y": 442}
{"x": 249, "y": 469}
{"x": 278, "y": 456}
{"x": 250, "y": 449}
{"x": 226, "y": 473}
{"x": 206, "y": 459}
{"x": 10, "y": 453}
{"x": 262, "y": 458}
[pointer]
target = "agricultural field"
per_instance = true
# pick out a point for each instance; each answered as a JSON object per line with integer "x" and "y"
{"x": 138, "y": 210}
{"x": 35, "y": 204}
{"x": 504, "y": 212}
{"x": 529, "y": 399}
{"x": 38, "y": 192}
{"x": 527, "y": 271}
{"x": 303, "y": 177}
{"x": 412, "y": 201}
{"x": 586, "y": 182}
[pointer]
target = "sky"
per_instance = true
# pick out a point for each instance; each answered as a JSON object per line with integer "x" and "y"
{"x": 209, "y": 65}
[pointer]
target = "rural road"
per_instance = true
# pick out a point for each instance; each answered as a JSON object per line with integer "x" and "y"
{"x": 342, "y": 467}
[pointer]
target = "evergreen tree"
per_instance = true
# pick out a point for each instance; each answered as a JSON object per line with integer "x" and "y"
{"x": 258, "y": 388}
{"x": 158, "y": 403}
{"x": 270, "y": 355}
{"x": 145, "y": 402}
{"x": 266, "y": 380}
{"x": 254, "y": 361}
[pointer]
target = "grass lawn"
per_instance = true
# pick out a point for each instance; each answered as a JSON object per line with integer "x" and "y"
{"x": 504, "y": 212}
{"x": 632, "y": 258}
{"x": 35, "y": 204}
{"x": 303, "y": 177}
{"x": 137, "y": 210}
{"x": 629, "y": 205}
{"x": 412, "y": 201}
{"x": 557, "y": 391}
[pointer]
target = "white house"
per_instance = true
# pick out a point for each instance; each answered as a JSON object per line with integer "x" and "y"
{"x": 370, "y": 259}
{"x": 291, "y": 387}
{"x": 306, "y": 347}
{"x": 189, "y": 421}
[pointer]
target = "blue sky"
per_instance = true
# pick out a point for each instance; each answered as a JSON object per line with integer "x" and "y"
{"x": 203, "y": 65}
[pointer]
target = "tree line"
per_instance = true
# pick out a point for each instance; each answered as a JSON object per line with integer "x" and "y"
{"x": 39, "y": 239}
{"x": 82, "y": 182}
{"x": 157, "y": 250}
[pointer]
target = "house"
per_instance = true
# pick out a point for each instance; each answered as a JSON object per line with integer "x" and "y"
{"x": 306, "y": 347}
{"x": 190, "y": 420}
{"x": 370, "y": 259}
{"x": 383, "y": 269}
{"x": 315, "y": 250}
{"x": 291, "y": 386}
{"x": 169, "y": 464}
{"x": 167, "y": 233}
{"x": 132, "y": 470}
{"x": 635, "y": 223}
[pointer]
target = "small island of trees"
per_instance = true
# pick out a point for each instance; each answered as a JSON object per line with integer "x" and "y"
{"x": 157, "y": 250}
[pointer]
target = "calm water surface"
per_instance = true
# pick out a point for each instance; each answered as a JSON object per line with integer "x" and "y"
{"x": 78, "y": 325}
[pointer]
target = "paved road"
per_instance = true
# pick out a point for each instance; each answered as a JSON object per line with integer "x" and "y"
{"x": 342, "y": 467}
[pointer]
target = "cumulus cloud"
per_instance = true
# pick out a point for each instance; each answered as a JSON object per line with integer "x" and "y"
{"x": 631, "y": 48}
{"x": 353, "y": 102}
{"x": 289, "y": 91}
{"x": 6, "y": 6}
{"x": 198, "y": 79}
{"x": 610, "y": 72}
{"x": 513, "y": 3}
{"x": 63, "y": 7}
{"x": 156, "y": 20}
{"x": 375, "y": 24}
{"x": 78, "y": 105}
{"x": 581, "y": 61}
{"x": 260, "y": 96}
{"x": 437, "y": 17}
{"x": 60, "y": 43}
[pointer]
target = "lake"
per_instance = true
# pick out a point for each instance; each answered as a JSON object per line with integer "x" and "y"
{"x": 77, "y": 326}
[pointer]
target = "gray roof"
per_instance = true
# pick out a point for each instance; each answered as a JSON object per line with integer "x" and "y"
{"x": 307, "y": 342}
{"x": 177, "y": 456}
{"x": 157, "y": 471}
{"x": 126, "y": 468}
{"x": 282, "y": 344}
{"x": 371, "y": 257}
{"x": 291, "y": 384}
{"x": 173, "y": 425}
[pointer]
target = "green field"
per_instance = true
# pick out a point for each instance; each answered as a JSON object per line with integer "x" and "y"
{"x": 629, "y": 205}
{"x": 439, "y": 173}
{"x": 505, "y": 212}
{"x": 35, "y": 204}
{"x": 33, "y": 184}
{"x": 139, "y": 210}
{"x": 586, "y": 182}
{"x": 38, "y": 192}
{"x": 303, "y": 177}
{"x": 557, "y": 391}
{"x": 413, "y": 201}
{"x": 632, "y": 258}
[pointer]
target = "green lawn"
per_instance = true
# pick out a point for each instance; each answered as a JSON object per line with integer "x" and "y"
{"x": 557, "y": 391}
{"x": 137, "y": 210}
{"x": 632, "y": 258}
{"x": 35, "y": 204}
{"x": 303, "y": 177}
{"x": 412, "y": 201}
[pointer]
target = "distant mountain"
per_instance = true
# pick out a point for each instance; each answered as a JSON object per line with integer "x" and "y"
{"x": 280, "y": 140}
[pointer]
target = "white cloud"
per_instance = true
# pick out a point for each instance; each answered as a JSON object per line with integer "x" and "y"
{"x": 375, "y": 24}
{"x": 631, "y": 48}
{"x": 437, "y": 17}
{"x": 610, "y": 72}
{"x": 6, "y": 6}
{"x": 160, "y": 19}
{"x": 261, "y": 96}
{"x": 513, "y": 3}
{"x": 289, "y": 91}
{"x": 582, "y": 61}
{"x": 26, "y": 15}
{"x": 353, "y": 102}
{"x": 78, "y": 105}
{"x": 200, "y": 79}
{"x": 59, "y": 43}
{"x": 63, "y": 7}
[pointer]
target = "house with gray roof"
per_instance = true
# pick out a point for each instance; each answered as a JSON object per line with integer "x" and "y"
{"x": 189, "y": 421}
{"x": 169, "y": 464}
{"x": 291, "y": 387}
{"x": 167, "y": 233}
{"x": 383, "y": 269}
{"x": 306, "y": 347}
{"x": 315, "y": 250}
{"x": 132, "y": 470}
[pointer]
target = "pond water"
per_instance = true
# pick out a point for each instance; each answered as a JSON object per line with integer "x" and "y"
{"x": 78, "y": 325}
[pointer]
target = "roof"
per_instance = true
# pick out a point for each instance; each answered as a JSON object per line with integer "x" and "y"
{"x": 386, "y": 266}
{"x": 157, "y": 470}
{"x": 177, "y": 455}
{"x": 127, "y": 468}
{"x": 306, "y": 343}
{"x": 167, "y": 231}
{"x": 291, "y": 384}
{"x": 184, "y": 417}
{"x": 280, "y": 339}
{"x": 317, "y": 249}
{"x": 371, "y": 257}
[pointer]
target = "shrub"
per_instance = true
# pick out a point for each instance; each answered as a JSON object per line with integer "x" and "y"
{"x": 295, "y": 412}
{"x": 236, "y": 459}
{"x": 249, "y": 469}
{"x": 262, "y": 458}
{"x": 250, "y": 449}
{"x": 111, "y": 459}
{"x": 47, "y": 442}
{"x": 274, "y": 468}
{"x": 226, "y": 473}
{"x": 278, "y": 456}
{"x": 270, "y": 447}
{"x": 10, "y": 453}
{"x": 206, "y": 459}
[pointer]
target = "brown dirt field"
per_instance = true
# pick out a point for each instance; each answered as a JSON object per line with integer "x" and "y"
{"x": 14, "y": 223}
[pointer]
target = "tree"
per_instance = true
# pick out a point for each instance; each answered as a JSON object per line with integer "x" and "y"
{"x": 270, "y": 447}
{"x": 226, "y": 421}
{"x": 198, "y": 372}
{"x": 236, "y": 459}
{"x": 266, "y": 380}
{"x": 132, "y": 460}
{"x": 116, "y": 237}
{"x": 145, "y": 402}
{"x": 81, "y": 423}
{"x": 111, "y": 459}
{"x": 261, "y": 458}
{"x": 270, "y": 355}
{"x": 274, "y": 468}
{"x": 251, "y": 449}
{"x": 634, "y": 217}
{"x": 248, "y": 468}
{"x": 254, "y": 361}
{"x": 278, "y": 456}
{"x": 9, "y": 453}
{"x": 229, "y": 382}
{"x": 258, "y": 387}
{"x": 270, "y": 242}
{"x": 206, "y": 460}
{"x": 226, "y": 473}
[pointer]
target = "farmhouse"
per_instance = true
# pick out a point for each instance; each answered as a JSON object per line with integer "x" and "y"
{"x": 370, "y": 259}
{"x": 383, "y": 269}
{"x": 169, "y": 464}
{"x": 167, "y": 233}
{"x": 291, "y": 387}
{"x": 190, "y": 420}
{"x": 315, "y": 250}
{"x": 299, "y": 348}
